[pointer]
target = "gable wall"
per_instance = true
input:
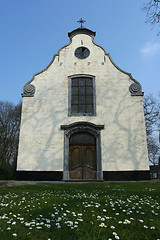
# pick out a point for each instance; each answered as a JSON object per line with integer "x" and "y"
{"x": 123, "y": 138}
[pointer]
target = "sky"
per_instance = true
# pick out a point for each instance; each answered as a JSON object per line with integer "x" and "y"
{"x": 32, "y": 31}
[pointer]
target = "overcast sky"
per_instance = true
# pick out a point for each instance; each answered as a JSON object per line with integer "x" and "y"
{"x": 32, "y": 31}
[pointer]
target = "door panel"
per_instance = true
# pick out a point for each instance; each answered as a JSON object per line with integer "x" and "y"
{"x": 89, "y": 166}
{"x": 75, "y": 164}
{"x": 90, "y": 156}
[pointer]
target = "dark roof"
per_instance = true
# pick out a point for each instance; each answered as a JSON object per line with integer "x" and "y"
{"x": 81, "y": 31}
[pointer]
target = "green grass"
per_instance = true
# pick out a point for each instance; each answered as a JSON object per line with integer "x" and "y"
{"x": 86, "y": 211}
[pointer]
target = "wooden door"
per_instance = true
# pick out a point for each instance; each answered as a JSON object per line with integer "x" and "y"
{"x": 82, "y": 157}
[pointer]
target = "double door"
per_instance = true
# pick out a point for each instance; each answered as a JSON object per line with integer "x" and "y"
{"x": 82, "y": 158}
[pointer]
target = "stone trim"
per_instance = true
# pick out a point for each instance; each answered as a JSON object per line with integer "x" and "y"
{"x": 82, "y": 127}
{"x": 81, "y": 31}
{"x": 28, "y": 90}
{"x": 135, "y": 89}
{"x": 82, "y": 123}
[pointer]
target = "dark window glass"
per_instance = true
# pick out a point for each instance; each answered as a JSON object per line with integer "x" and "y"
{"x": 81, "y": 82}
{"x": 89, "y": 108}
{"x": 89, "y": 100}
{"x": 74, "y": 90}
{"x": 89, "y": 90}
{"x": 75, "y": 99}
{"x": 81, "y": 90}
{"x": 82, "y": 108}
{"x": 89, "y": 82}
{"x": 82, "y": 95}
{"x": 74, "y": 108}
{"x": 82, "y": 99}
{"x": 75, "y": 82}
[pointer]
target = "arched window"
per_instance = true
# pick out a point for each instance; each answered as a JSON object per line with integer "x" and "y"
{"x": 81, "y": 95}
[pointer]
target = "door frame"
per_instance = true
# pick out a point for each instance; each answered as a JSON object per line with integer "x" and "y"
{"x": 87, "y": 127}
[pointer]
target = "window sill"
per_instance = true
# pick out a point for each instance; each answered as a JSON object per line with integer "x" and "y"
{"x": 81, "y": 114}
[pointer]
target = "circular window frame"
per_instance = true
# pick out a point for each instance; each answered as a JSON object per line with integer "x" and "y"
{"x": 80, "y": 54}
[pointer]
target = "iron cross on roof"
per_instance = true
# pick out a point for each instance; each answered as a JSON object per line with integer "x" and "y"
{"x": 81, "y": 21}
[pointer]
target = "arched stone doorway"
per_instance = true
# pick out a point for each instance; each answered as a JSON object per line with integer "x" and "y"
{"x": 82, "y": 156}
{"x": 82, "y": 151}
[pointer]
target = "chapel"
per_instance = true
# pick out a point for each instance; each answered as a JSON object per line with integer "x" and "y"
{"x": 82, "y": 118}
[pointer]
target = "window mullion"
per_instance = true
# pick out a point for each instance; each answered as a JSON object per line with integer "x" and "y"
{"x": 85, "y": 97}
{"x": 78, "y": 97}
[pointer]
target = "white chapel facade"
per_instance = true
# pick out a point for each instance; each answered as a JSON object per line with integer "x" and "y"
{"x": 82, "y": 118}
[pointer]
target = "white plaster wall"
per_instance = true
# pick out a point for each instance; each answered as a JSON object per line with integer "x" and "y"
{"x": 123, "y": 139}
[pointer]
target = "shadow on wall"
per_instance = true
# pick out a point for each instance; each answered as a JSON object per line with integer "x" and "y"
{"x": 128, "y": 129}
{"x": 39, "y": 128}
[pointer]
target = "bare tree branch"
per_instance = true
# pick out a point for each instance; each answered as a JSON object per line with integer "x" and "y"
{"x": 10, "y": 117}
{"x": 152, "y": 10}
{"x": 152, "y": 117}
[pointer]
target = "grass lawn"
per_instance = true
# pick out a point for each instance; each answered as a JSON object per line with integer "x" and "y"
{"x": 82, "y": 211}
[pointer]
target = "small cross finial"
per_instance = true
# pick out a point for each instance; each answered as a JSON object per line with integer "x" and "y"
{"x": 81, "y": 21}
